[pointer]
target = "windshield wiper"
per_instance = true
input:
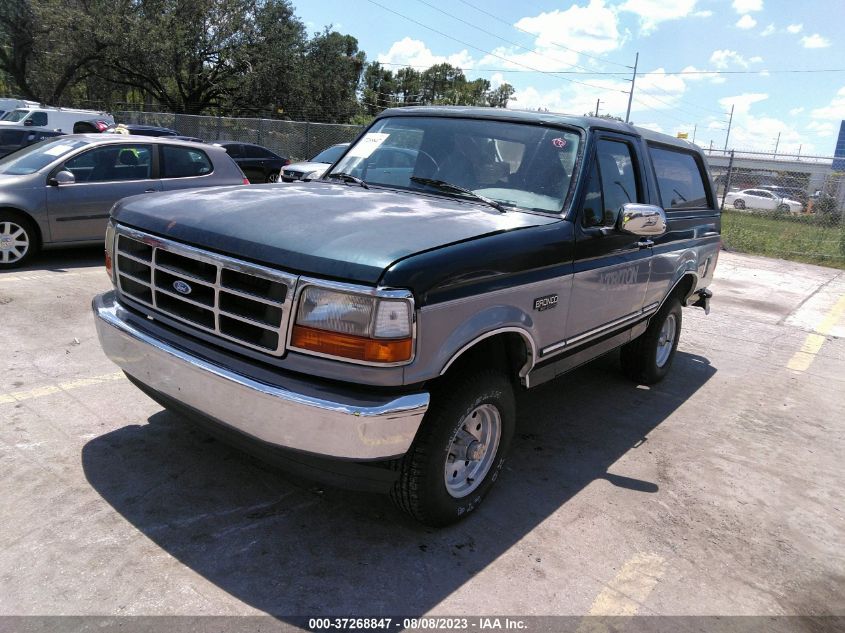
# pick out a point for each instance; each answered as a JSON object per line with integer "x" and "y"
{"x": 448, "y": 186}
{"x": 349, "y": 178}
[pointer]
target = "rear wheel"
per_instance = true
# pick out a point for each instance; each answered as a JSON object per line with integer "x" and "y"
{"x": 648, "y": 358}
{"x": 18, "y": 240}
{"x": 784, "y": 208}
{"x": 459, "y": 450}
{"x": 739, "y": 204}
{"x": 273, "y": 176}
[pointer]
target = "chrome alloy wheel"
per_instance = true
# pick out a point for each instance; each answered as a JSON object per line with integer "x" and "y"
{"x": 472, "y": 450}
{"x": 14, "y": 242}
{"x": 666, "y": 340}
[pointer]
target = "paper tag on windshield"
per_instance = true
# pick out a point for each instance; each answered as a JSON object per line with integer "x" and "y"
{"x": 368, "y": 144}
{"x": 58, "y": 150}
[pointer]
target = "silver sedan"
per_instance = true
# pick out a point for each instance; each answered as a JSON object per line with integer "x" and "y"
{"x": 59, "y": 192}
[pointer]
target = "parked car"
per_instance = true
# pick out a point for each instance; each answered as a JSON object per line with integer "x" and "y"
{"x": 92, "y": 126}
{"x": 762, "y": 199}
{"x": 315, "y": 167}
{"x": 14, "y": 138}
{"x": 52, "y": 119}
{"x": 7, "y": 105}
{"x": 793, "y": 193}
{"x": 58, "y": 192}
{"x": 259, "y": 164}
{"x": 371, "y": 328}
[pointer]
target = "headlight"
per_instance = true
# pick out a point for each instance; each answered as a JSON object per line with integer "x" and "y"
{"x": 367, "y": 328}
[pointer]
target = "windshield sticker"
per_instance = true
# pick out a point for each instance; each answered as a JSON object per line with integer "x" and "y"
{"x": 58, "y": 150}
{"x": 560, "y": 143}
{"x": 368, "y": 144}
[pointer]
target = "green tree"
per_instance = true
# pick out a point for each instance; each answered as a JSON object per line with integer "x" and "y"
{"x": 333, "y": 66}
{"x": 499, "y": 96}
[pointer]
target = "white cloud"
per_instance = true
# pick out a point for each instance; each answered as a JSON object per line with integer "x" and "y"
{"x": 815, "y": 41}
{"x": 713, "y": 79}
{"x": 653, "y": 12}
{"x": 702, "y": 14}
{"x": 795, "y": 28}
{"x": 758, "y": 132}
{"x": 746, "y": 22}
{"x": 651, "y": 126}
{"x": 742, "y": 102}
{"x": 822, "y": 128}
{"x": 755, "y": 60}
{"x": 592, "y": 28}
{"x": 411, "y": 52}
{"x": 496, "y": 80}
{"x": 747, "y": 6}
{"x": 796, "y": 111}
{"x": 724, "y": 58}
{"x": 769, "y": 30}
{"x": 835, "y": 110}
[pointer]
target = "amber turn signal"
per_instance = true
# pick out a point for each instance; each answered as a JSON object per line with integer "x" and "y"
{"x": 108, "y": 263}
{"x": 349, "y": 346}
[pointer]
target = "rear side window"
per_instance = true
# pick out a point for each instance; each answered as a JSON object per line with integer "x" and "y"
{"x": 183, "y": 162}
{"x": 234, "y": 150}
{"x": 39, "y": 118}
{"x": 680, "y": 179}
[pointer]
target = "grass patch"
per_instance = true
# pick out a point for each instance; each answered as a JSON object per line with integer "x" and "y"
{"x": 797, "y": 238}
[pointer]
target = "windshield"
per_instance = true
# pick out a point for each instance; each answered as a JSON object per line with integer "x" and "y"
{"x": 515, "y": 164}
{"x": 329, "y": 155}
{"x": 15, "y": 115}
{"x": 37, "y": 156}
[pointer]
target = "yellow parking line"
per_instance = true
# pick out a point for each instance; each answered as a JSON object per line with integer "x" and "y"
{"x": 630, "y": 587}
{"x": 803, "y": 358}
{"x": 48, "y": 390}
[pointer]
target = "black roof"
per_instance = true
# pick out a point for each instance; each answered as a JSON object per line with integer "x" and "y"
{"x": 534, "y": 116}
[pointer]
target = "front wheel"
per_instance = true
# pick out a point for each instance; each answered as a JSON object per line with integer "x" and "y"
{"x": 647, "y": 359}
{"x": 739, "y": 204}
{"x": 459, "y": 449}
{"x": 18, "y": 241}
{"x": 273, "y": 176}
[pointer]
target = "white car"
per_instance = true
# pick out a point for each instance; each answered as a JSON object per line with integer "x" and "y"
{"x": 314, "y": 168}
{"x": 762, "y": 199}
{"x": 58, "y": 119}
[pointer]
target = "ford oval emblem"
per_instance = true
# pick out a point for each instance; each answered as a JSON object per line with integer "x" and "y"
{"x": 182, "y": 287}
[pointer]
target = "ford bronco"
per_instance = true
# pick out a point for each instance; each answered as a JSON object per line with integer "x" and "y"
{"x": 370, "y": 328}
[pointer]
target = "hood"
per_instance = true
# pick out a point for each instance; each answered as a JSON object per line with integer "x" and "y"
{"x": 333, "y": 230}
{"x": 306, "y": 168}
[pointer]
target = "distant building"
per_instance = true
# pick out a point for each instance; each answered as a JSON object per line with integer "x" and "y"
{"x": 839, "y": 154}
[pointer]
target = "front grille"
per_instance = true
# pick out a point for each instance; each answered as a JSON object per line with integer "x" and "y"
{"x": 233, "y": 299}
{"x": 289, "y": 173}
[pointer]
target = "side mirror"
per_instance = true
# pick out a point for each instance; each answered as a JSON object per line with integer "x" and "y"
{"x": 643, "y": 220}
{"x": 63, "y": 177}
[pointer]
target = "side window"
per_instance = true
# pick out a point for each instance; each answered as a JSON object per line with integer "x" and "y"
{"x": 38, "y": 118}
{"x": 235, "y": 150}
{"x": 679, "y": 179}
{"x": 111, "y": 163}
{"x": 614, "y": 176}
{"x": 183, "y": 162}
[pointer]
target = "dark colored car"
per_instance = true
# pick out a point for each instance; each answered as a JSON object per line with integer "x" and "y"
{"x": 149, "y": 130}
{"x": 14, "y": 138}
{"x": 374, "y": 327}
{"x": 58, "y": 192}
{"x": 258, "y": 163}
{"x": 92, "y": 126}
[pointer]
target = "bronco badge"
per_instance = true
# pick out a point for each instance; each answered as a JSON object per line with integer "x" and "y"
{"x": 545, "y": 303}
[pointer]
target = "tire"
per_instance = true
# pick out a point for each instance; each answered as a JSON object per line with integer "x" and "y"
{"x": 784, "y": 208}
{"x": 739, "y": 204}
{"x": 273, "y": 176}
{"x": 18, "y": 240}
{"x": 424, "y": 489}
{"x": 648, "y": 358}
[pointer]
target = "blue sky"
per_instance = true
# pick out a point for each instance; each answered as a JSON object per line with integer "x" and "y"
{"x": 503, "y": 40}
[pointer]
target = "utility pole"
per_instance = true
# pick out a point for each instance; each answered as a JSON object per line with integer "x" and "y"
{"x": 799, "y": 151}
{"x": 777, "y": 142}
{"x": 728, "y": 135}
{"x": 694, "y": 130}
{"x": 631, "y": 94}
{"x": 598, "y": 101}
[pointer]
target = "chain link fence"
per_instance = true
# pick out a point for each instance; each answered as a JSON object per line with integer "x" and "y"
{"x": 297, "y": 140}
{"x": 781, "y": 205}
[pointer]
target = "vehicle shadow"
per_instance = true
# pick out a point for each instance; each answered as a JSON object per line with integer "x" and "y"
{"x": 288, "y": 547}
{"x": 62, "y": 260}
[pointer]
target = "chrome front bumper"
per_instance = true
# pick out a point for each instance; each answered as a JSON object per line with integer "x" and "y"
{"x": 330, "y": 425}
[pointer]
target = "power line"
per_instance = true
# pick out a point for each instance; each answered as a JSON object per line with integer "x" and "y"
{"x": 486, "y": 52}
{"x": 514, "y": 26}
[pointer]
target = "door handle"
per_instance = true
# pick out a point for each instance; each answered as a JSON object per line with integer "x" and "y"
{"x": 645, "y": 243}
{"x": 150, "y": 190}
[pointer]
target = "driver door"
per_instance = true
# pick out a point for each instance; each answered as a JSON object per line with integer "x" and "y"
{"x": 612, "y": 268}
{"x": 79, "y": 211}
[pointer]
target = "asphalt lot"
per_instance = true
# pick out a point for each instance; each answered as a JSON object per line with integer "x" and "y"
{"x": 718, "y": 491}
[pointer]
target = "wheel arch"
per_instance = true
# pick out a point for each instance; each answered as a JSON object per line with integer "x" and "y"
{"x": 515, "y": 344}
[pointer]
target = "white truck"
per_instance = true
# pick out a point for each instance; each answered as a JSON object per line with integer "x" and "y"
{"x": 67, "y": 120}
